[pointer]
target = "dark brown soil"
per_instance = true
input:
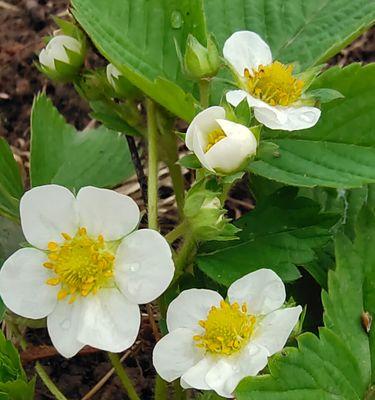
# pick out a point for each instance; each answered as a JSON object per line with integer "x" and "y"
{"x": 23, "y": 23}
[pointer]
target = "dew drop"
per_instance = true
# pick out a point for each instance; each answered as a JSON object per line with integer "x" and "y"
{"x": 65, "y": 324}
{"x": 176, "y": 19}
{"x": 133, "y": 267}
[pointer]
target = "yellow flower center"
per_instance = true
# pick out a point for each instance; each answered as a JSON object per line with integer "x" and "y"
{"x": 214, "y": 137}
{"x": 228, "y": 329}
{"x": 82, "y": 265}
{"x": 274, "y": 84}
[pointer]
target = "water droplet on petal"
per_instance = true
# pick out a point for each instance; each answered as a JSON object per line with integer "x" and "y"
{"x": 65, "y": 324}
{"x": 133, "y": 267}
{"x": 176, "y": 19}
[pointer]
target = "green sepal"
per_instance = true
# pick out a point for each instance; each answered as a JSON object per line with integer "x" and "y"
{"x": 190, "y": 161}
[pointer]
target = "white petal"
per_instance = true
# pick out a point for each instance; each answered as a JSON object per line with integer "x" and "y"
{"x": 144, "y": 267}
{"x": 106, "y": 212}
{"x": 263, "y": 291}
{"x": 63, "y": 325}
{"x": 195, "y": 376}
{"x": 47, "y": 211}
{"x": 204, "y": 121}
{"x": 56, "y": 47}
{"x": 112, "y": 74}
{"x": 235, "y": 97}
{"x": 200, "y": 143}
{"x": 46, "y": 59}
{"x": 288, "y": 118}
{"x": 245, "y": 49}
{"x": 226, "y": 374}
{"x": 274, "y": 329}
{"x": 109, "y": 321}
{"x": 230, "y": 153}
{"x": 175, "y": 353}
{"x": 23, "y": 285}
{"x": 191, "y": 306}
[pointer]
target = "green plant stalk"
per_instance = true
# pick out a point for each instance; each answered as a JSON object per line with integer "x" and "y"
{"x": 177, "y": 232}
{"x": 152, "y": 181}
{"x": 204, "y": 92}
{"x": 48, "y": 382}
{"x": 178, "y": 391}
{"x": 184, "y": 256}
{"x": 178, "y": 186}
{"x": 123, "y": 376}
{"x": 161, "y": 389}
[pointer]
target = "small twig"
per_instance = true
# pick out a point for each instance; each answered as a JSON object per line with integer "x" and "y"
{"x": 142, "y": 180}
{"x": 123, "y": 376}
{"x": 7, "y": 6}
{"x": 154, "y": 326}
{"x": 41, "y": 352}
{"x": 106, "y": 377}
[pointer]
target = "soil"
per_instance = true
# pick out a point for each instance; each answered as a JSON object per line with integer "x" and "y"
{"x": 23, "y": 23}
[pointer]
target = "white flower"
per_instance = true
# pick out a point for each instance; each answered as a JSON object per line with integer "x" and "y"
{"x": 112, "y": 75}
{"x": 221, "y": 146}
{"x": 213, "y": 344}
{"x": 56, "y": 49}
{"x": 269, "y": 87}
{"x": 87, "y": 270}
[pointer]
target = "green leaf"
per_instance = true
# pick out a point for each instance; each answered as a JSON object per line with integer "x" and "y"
{"x": 10, "y": 238}
{"x": 340, "y": 364}
{"x": 281, "y": 233}
{"x": 190, "y": 161}
{"x": 340, "y": 150}
{"x": 61, "y": 155}
{"x": 11, "y": 186}
{"x": 307, "y": 31}
{"x": 140, "y": 38}
{"x": 324, "y": 95}
{"x": 13, "y": 381}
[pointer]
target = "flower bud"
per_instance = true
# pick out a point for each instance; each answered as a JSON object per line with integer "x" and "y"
{"x": 62, "y": 58}
{"x": 199, "y": 61}
{"x": 120, "y": 84}
{"x": 206, "y": 217}
{"x": 222, "y": 146}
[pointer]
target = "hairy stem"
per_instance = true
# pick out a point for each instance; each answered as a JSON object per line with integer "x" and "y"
{"x": 174, "y": 234}
{"x": 204, "y": 92}
{"x": 178, "y": 186}
{"x": 123, "y": 376}
{"x": 184, "y": 256}
{"x": 152, "y": 194}
{"x": 161, "y": 389}
{"x": 142, "y": 180}
{"x": 48, "y": 382}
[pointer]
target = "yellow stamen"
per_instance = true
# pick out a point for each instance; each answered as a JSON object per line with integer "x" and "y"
{"x": 53, "y": 246}
{"x": 274, "y": 84}
{"x": 228, "y": 329}
{"x": 53, "y": 281}
{"x": 82, "y": 265}
{"x": 66, "y": 236}
{"x": 214, "y": 137}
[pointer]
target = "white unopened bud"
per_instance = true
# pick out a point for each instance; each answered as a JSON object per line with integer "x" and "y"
{"x": 62, "y": 57}
{"x": 222, "y": 146}
{"x": 112, "y": 75}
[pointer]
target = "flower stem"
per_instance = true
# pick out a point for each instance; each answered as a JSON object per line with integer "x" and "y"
{"x": 178, "y": 391}
{"x": 152, "y": 192}
{"x": 178, "y": 186}
{"x": 184, "y": 255}
{"x": 161, "y": 389}
{"x": 48, "y": 382}
{"x": 123, "y": 376}
{"x": 204, "y": 92}
{"x": 174, "y": 234}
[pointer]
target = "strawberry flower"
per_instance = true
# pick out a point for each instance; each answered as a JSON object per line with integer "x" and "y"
{"x": 87, "y": 267}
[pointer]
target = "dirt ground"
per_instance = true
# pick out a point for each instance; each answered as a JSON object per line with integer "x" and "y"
{"x": 23, "y": 23}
